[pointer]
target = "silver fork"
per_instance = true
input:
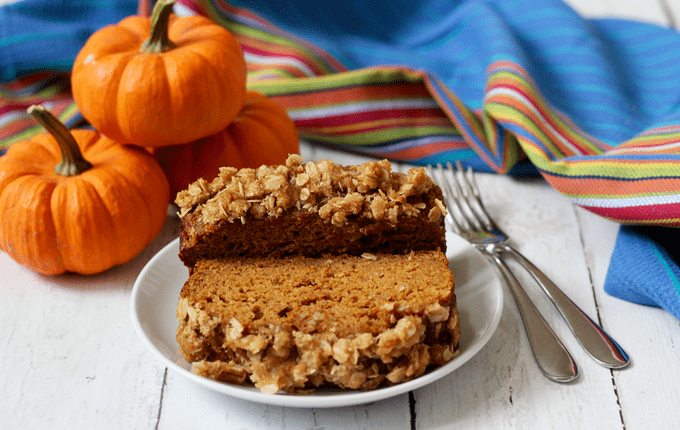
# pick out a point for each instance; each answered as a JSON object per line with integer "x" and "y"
{"x": 469, "y": 218}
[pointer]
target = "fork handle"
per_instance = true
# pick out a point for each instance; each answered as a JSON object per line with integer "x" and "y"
{"x": 601, "y": 347}
{"x": 551, "y": 356}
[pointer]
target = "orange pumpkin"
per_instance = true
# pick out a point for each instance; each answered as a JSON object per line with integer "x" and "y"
{"x": 77, "y": 201}
{"x": 262, "y": 133}
{"x": 160, "y": 81}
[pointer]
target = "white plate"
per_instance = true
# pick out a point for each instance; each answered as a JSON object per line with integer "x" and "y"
{"x": 156, "y": 292}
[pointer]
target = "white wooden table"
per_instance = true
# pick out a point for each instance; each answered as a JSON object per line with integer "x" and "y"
{"x": 70, "y": 358}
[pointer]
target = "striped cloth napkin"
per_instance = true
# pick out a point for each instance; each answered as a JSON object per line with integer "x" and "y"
{"x": 506, "y": 86}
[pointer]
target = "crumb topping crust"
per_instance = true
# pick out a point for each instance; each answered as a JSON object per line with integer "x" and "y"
{"x": 370, "y": 190}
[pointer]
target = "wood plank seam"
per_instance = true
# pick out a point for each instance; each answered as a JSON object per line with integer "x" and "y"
{"x": 667, "y": 12}
{"x": 579, "y": 221}
{"x": 618, "y": 402}
{"x": 412, "y": 409}
{"x": 160, "y": 401}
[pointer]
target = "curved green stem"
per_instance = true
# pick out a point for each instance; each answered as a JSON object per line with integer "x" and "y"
{"x": 158, "y": 40}
{"x": 72, "y": 161}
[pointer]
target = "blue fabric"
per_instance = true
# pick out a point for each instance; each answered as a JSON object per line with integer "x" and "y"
{"x": 644, "y": 267}
{"x": 40, "y": 35}
{"x": 608, "y": 82}
{"x": 614, "y": 78}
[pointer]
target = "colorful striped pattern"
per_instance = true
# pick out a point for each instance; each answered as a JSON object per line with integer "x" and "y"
{"x": 38, "y": 43}
{"x": 382, "y": 112}
{"x": 50, "y": 90}
{"x": 411, "y": 115}
{"x": 598, "y": 117}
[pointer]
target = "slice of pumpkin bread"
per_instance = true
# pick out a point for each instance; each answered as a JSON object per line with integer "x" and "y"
{"x": 310, "y": 209}
{"x": 297, "y": 323}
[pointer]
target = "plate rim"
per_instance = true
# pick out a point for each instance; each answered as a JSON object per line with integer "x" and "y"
{"x": 313, "y": 401}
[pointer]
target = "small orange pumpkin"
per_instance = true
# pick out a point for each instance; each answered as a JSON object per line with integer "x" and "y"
{"x": 78, "y": 202}
{"x": 160, "y": 81}
{"x": 262, "y": 133}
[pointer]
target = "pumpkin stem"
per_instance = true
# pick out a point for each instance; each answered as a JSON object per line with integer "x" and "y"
{"x": 72, "y": 161}
{"x": 158, "y": 40}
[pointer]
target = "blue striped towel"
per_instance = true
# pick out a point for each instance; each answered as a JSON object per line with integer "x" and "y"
{"x": 37, "y": 35}
{"x": 644, "y": 267}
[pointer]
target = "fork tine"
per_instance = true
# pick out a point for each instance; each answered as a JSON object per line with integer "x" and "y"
{"x": 455, "y": 215}
{"x": 463, "y": 193}
{"x": 470, "y": 191}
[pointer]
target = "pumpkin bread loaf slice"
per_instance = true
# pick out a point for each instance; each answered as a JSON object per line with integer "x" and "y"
{"x": 310, "y": 209}
{"x": 297, "y": 323}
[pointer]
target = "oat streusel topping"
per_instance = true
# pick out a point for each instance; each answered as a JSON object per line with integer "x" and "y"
{"x": 369, "y": 190}
{"x": 342, "y": 361}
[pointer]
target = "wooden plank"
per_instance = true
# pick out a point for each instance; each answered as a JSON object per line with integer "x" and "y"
{"x": 653, "y": 11}
{"x": 70, "y": 355}
{"x": 188, "y": 405}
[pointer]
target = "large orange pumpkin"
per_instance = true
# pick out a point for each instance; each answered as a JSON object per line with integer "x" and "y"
{"x": 160, "y": 81}
{"x": 77, "y": 201}
{"x": 262, "y": 133}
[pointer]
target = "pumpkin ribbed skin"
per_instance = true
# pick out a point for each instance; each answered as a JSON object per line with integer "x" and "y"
{"x": 262, "y": 133}
{"x": 86, "y": 223}
{"x": 184, "y": 93}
